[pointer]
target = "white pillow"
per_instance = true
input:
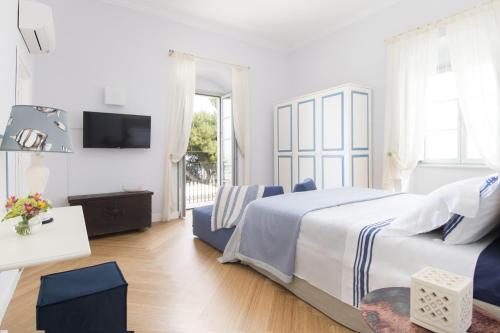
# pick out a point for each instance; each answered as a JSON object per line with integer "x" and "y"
{"x": 464, "y": 230}
{"x": 438, "y": 206}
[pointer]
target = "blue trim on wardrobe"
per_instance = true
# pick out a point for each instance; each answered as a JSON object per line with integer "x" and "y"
{"x": 289, "y": 107}
{"x": 298, "y": 166}
{"x": 291, "y": 170}
{"x": 314, "y": 125}
{"x": 341, "y": 148}
{"x": 367, "y": 169}
{"x": 341, "y": 157}
{"x": 367, "y": 120}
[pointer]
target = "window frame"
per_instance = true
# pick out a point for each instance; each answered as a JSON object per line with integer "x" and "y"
{"x": 461, "y": 160}
{"x": 222, "y": 139}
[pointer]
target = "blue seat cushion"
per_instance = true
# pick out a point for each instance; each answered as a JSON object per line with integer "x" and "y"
{"x": 63, "y": 286}
{"x": 202, "y": 228}
{"x": 307, "y": 185}
{"x": 90, "y": 299}
{"x": 202, "y": 222}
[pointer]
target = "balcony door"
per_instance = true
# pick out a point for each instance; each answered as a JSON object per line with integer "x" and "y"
{"x": 209, "y": 160}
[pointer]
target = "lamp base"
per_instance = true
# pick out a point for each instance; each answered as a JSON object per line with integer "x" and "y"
{"x": 37, "y": 174}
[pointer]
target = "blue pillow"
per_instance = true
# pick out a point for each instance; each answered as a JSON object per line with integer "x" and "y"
{"x": 307, "y": 185}
{"x": 270, "y": 191}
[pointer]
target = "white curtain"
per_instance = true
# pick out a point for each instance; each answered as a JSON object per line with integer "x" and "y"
{"x": 241, "y": 122}
{"x": 475, "y": 59}
{"x": 178, "y": 126}
{"x": 411, "y": 61}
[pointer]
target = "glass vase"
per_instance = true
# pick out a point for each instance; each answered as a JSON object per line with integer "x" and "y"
{"x": 28, "y": 226}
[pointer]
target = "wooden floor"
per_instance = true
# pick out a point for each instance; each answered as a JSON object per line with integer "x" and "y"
{"x": 177, "y": 285}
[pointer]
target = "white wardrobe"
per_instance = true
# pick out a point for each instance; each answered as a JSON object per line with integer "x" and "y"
{"x": 325, "y": 136}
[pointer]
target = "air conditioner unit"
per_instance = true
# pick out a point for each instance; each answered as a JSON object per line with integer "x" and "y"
{"x": 37, "y": 26}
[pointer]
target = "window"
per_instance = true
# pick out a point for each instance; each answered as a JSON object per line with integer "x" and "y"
{"x": 446, "y": 140}
{"x": 201, "y": 160}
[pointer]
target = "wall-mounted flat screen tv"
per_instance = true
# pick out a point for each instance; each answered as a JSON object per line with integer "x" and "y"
{"x": 115, "y": 130}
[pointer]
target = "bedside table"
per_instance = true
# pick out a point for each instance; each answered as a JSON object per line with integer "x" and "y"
{"x": 388, "y": 310}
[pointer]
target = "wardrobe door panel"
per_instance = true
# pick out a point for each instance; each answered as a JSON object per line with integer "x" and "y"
{"x": 284, "y": 128}
{"x": 332, "y": 122}
{"x": 306, "y": 167}
{"x": 306, "y": 125}
{"x": 285, "y": 172}
{"x": 360, "y": 171}
{"x": 360, "y": 120}
{"x": 332, "y": 171}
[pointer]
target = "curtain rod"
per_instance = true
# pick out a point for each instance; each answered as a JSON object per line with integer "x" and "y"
{"x": 441, "y": 21}
{"x": 171, "y": 52}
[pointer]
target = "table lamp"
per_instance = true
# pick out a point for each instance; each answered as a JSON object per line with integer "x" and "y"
{"x": 37, "y": 129}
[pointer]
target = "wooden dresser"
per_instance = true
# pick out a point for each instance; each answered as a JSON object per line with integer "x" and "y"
{"x": 109, "y": 213}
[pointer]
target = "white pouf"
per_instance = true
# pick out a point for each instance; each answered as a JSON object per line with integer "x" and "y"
{"x": 441, "y": 301}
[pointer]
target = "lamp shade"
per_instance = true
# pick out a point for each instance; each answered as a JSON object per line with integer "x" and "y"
{"x": 37, "y": 129}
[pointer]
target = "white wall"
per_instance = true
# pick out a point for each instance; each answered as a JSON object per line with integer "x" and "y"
{"x": 98, "y": 45}
{"x": 11, "y": 43}
{"x": 13, "y": 52}
{"x": 357, "y": 54}
{"x": 8, "y": 38}
{"x": 213, "y": 78}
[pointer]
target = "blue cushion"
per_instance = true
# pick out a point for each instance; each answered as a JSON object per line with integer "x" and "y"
{"x": 270, "y": 191}
{"x": 202, "y": 222}
{"x": 91, "y": 299}
{"x": 307, "y": 185}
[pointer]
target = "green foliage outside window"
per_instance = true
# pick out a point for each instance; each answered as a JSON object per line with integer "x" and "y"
{"x": 203, "y": 138}
{"x": 201, "y": 154}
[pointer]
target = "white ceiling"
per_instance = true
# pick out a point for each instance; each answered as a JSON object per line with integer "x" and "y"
{"x": 281, "y": 24}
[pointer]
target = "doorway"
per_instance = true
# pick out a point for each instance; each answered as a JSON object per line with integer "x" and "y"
{"x": 209, "y": 160}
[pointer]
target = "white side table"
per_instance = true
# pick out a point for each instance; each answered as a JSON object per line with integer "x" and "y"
{"x": 64, "y": 238}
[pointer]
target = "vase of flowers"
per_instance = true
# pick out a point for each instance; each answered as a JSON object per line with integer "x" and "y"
{"x": 26, "y": 210}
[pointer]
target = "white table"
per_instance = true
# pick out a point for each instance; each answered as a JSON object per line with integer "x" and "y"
{"x": 64, "y": 238}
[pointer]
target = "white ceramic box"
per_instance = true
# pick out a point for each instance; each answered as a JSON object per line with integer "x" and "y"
{"x": 441, "y": 301}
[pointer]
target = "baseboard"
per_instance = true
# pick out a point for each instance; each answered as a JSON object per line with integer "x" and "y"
{"x": 156, "y": 217}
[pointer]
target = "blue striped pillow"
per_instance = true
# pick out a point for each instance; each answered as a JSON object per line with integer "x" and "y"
{"x": 464, "y": 230}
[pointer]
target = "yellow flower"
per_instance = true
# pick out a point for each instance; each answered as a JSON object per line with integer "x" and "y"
{"x": 42, "y": 204}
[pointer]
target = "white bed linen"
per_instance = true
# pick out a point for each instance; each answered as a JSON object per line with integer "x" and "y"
{"x": 327, "y": 244}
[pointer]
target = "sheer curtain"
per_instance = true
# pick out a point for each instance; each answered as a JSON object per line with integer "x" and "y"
{"x": 241, "y": 105}
{"x": 411, "y": 62}
{"x": 178, "y": 126}
{"x": 475, "y": 59}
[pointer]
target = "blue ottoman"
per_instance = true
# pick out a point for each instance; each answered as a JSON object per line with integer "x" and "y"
{"x": 91, "y": 299}
{"x": 202, "y": 219}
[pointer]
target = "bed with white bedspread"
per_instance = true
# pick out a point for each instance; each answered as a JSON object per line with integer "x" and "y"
{"x": 347, "y": 241}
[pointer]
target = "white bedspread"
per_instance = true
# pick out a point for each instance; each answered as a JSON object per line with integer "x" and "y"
{"x": 328, "y": 243}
